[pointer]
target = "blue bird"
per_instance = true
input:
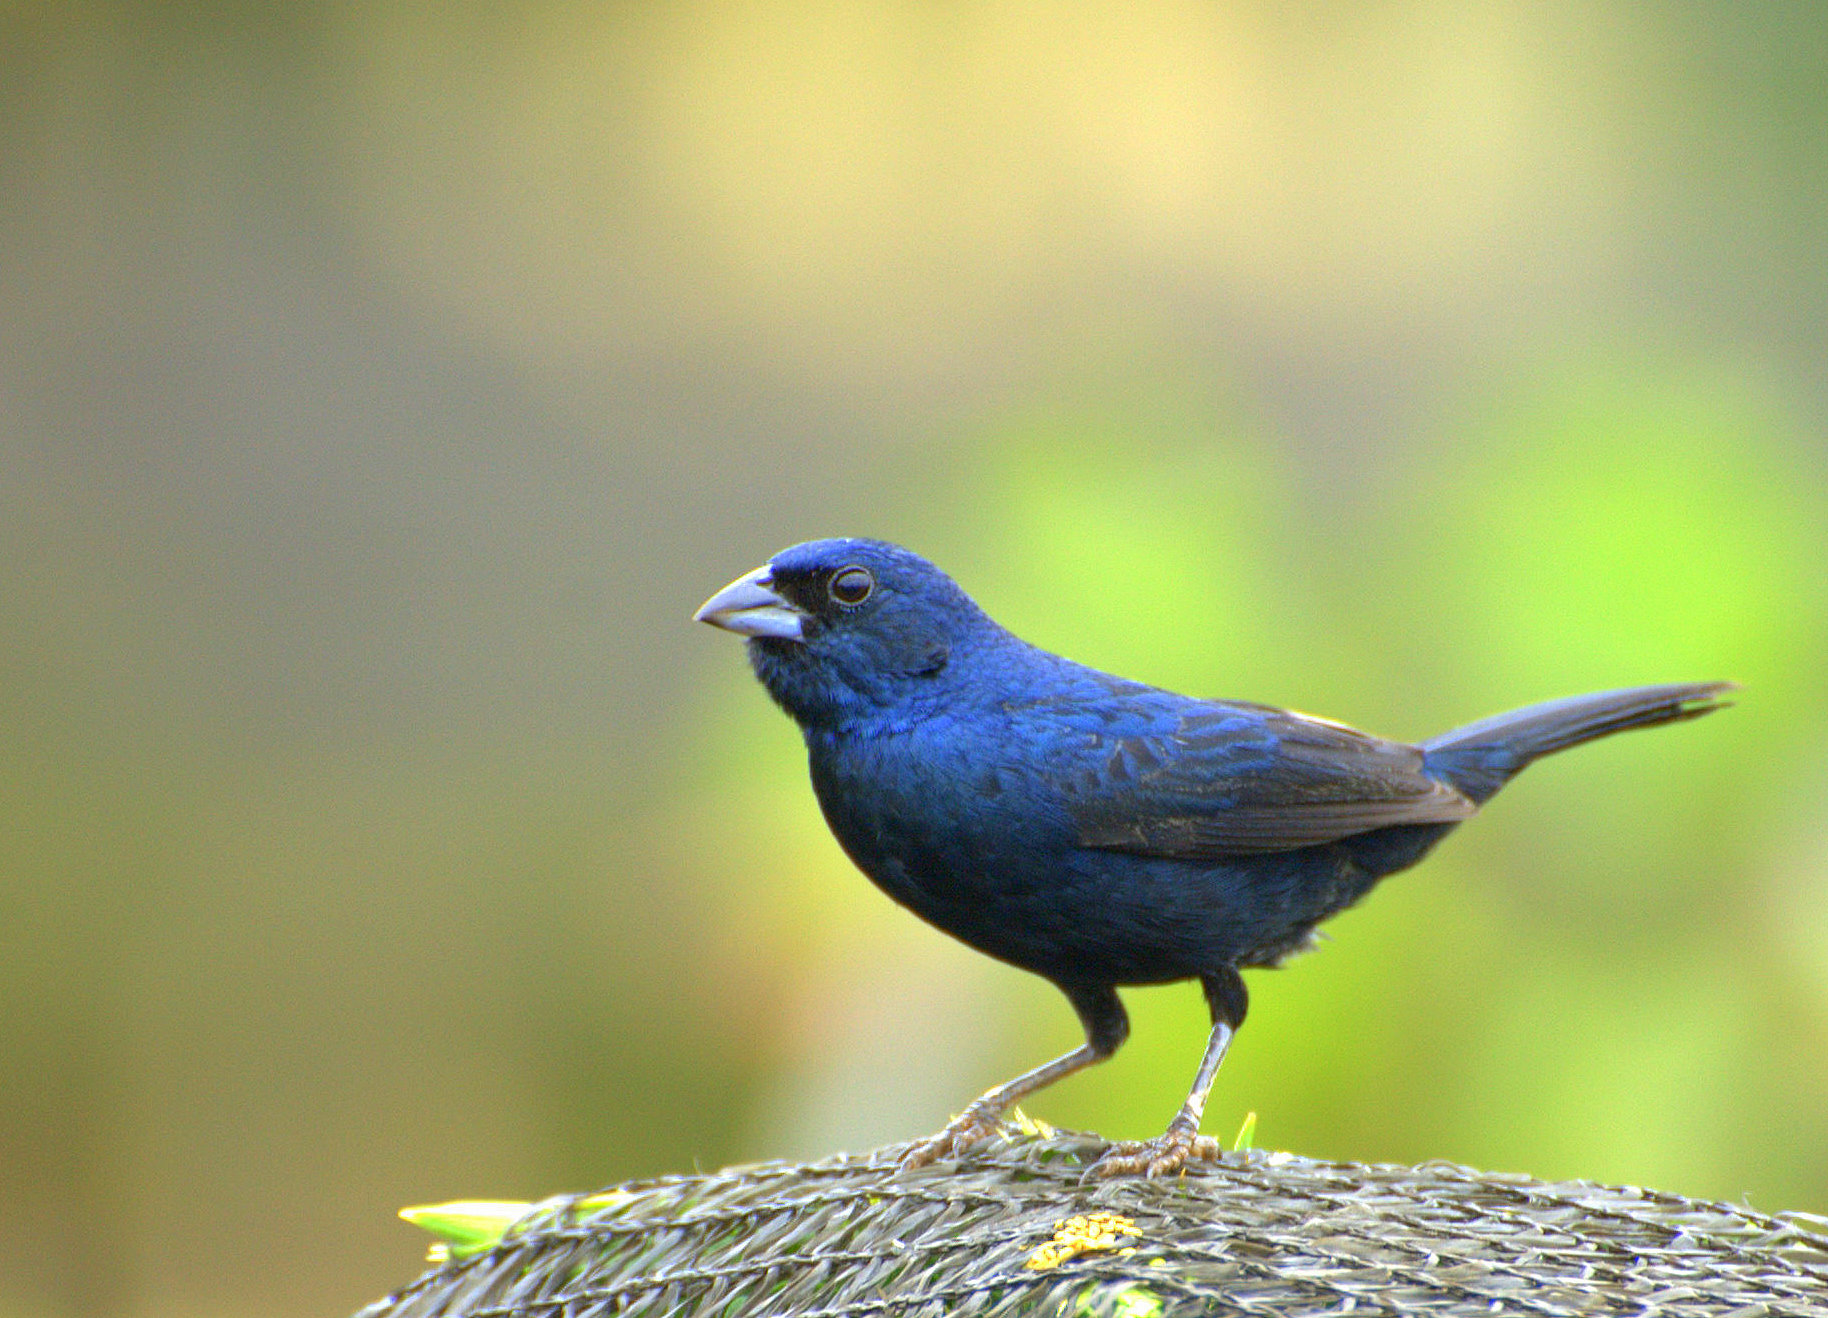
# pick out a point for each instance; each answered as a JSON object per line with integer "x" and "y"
{"x": 1097, "y": 831}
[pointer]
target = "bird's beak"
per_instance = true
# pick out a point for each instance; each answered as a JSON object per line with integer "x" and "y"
{"x": 748, "y": 606}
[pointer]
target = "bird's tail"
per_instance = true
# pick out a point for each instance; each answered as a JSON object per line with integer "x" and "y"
{"x": 1481, "y": 757}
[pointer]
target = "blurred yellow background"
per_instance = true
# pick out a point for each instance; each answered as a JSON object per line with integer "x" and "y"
{"x": 382, "y": 385}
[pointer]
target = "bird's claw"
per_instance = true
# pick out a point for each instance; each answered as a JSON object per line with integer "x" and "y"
{"x": 1164, "y": 1156}
{"x": 963, "y": 1131}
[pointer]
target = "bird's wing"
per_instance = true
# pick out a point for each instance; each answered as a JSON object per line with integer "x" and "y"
{"x": 1216, "y": 780}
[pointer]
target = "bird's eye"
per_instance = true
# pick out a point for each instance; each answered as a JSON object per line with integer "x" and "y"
{"x": 852, "y": 585}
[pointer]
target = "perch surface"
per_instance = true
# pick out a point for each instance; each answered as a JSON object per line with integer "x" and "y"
{"x": 1012, "y": 1229}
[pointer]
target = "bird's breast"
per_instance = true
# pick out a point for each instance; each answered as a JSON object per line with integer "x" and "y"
{"x": 944, "y": 824}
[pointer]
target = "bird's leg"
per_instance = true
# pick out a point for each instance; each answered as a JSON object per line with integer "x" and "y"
{"x": 1106, "y": 1027}
{"x": 1182, "y": 1141}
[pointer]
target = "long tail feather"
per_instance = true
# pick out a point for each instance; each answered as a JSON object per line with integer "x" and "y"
{"x": 1481, "y": 757}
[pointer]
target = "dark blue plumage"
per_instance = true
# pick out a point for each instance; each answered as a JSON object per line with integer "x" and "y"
{"x": 1097, "y": 831}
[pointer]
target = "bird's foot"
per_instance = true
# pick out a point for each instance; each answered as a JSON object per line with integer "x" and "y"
{"x": 1163, "y": 1156}
{"x": 972, "y": 1126}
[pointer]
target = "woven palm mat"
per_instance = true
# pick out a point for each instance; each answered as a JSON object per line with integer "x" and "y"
{"x": 1012, "y": 1230}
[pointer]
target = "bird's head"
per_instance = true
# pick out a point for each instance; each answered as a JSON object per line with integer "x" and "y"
{"x": 844, "y": 628}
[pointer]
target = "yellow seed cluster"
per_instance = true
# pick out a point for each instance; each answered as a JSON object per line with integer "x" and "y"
{"x": 1088, "y": 1233}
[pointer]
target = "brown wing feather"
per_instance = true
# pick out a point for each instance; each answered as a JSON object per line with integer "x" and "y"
{"x": 1280, "y": 781}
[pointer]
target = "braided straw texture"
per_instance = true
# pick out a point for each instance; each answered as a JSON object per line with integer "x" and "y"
{"x": 1013, "y": 1229}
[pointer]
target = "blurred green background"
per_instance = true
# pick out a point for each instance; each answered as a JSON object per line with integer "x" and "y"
{"x": 383, "y": 384}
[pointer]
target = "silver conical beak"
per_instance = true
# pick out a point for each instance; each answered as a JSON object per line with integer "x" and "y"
{"x": 748, "y": 606}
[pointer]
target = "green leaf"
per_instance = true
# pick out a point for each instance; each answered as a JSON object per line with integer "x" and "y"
{"x": 465, "y": 1226}
{"x": 1246, "y": 1133}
